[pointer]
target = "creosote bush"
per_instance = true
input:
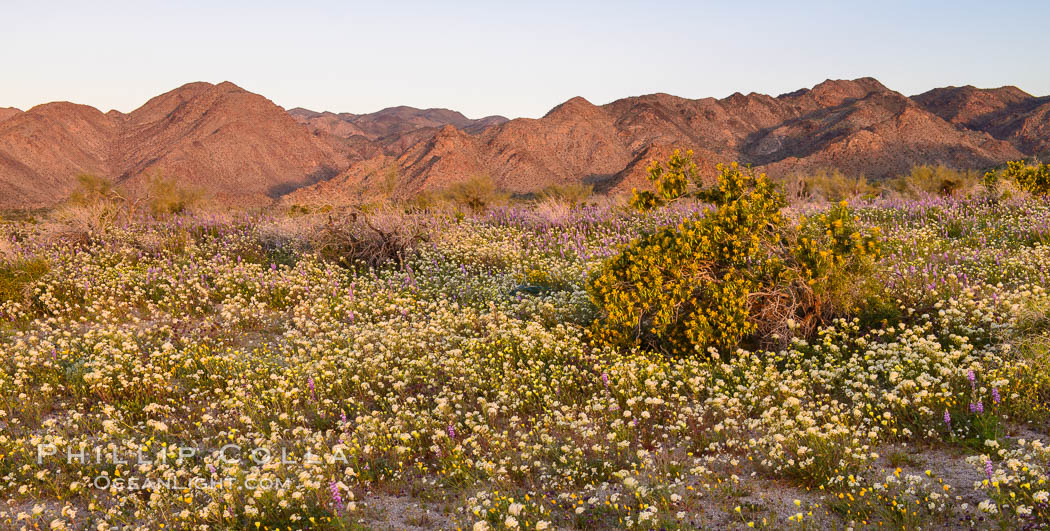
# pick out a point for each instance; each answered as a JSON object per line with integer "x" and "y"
{"x": 826, "y": 186}
{"x": 574, "y": 194}
{"x": 165, "y": 197}
{"x": 927, "y": 181}
{"x": 96, "y": 205}
{"x": 476, "y": 193}
{"x": 738, "y": 271}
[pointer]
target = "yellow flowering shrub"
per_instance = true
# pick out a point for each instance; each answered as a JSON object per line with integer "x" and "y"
{"x": 737, "y": 271}
{"x": 1032, "y": 178}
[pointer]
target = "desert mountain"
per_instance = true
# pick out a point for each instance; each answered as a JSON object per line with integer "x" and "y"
{"x": 43, "y": 149}
{"x": 7, "y": 112}
{"x": 241, "y": 148}
{"x": 235, "y": 145}
{"x": 1006, "y": 113}
{"x": 390, "y": 122}
{"x": 858, "y": 126}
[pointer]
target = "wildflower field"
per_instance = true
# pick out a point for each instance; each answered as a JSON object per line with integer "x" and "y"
{"x": 206, "y": 372}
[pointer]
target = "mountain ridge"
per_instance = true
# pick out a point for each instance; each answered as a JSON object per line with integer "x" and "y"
{"x": 241, "y": 148}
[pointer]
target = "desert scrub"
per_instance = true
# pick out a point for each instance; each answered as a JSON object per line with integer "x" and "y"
{"x": 1031, "y": 178}
{"x": 930, "y": 181}
{"x": 370, "y": 238}
{"x": 489, "y": 409}
{"x": 475, "y": 194}
{"x": 740, "y": 270}
{"x": 17, "y": 276}
{"x": 826, "y": 186}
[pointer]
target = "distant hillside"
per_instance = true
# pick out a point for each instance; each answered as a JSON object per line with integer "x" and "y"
{"x": 859, "y": 126}
{"x": 236, "y": 145}
{"x": 389, "y": 122}
{"x": 241, "y": 148}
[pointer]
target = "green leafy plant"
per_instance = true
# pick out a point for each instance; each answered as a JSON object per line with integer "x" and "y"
{"x": 826, "y": 186}
{"x": 477, "y": 193}
{"x": 165, "y": 196}
{"x": 1031, "y": 178}
{"x": 740, "y": 270}
{"x": 927, "y": 180}
{"x": 574, "y": 194}
{"x": 16, "y": 277}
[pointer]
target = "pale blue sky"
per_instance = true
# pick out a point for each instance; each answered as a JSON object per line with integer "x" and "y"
{"x": 513, "y": 58}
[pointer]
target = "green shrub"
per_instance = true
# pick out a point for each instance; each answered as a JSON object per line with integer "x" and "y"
{"x": 830, "y": 186}
{"x": 739, "y": 271}
{"x": 924, "y": 181}
{"x": 477, "y": 193}
{"x": 165, "y": 197}
{"x": 91, "y": 189}
{"x": 572, "y": 193}
{"x": 15, "y": 278}
{"x": 1031, "y": 178}
{"x": 535, "y": 281}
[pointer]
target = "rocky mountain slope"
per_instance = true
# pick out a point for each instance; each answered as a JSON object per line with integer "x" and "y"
{"x": 858, "y": 126}
{"x": 240, "y": 148}
{"x": 7, "y": 112}
{"x": 390, "y": 122}
{"x": 234, "y": 145}
{"x": 1006, "y": 113}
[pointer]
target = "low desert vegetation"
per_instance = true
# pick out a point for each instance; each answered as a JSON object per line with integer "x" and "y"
{"x": 921, "y": 182}
{"x": 827, "y": 186}
{"x": 96, "y": 204}
{"x": 573, "y": 194}
{"x": 1029, "y": 178}
{"x": 936, "y": 181}
{"x": 732, "y": 272}
{"x": 475, "y": 194}
{"x": 713, "y": 358}
{"x": 17, "y": 275}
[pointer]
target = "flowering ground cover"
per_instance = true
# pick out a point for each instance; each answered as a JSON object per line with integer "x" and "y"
{"x": 207, "y": 373}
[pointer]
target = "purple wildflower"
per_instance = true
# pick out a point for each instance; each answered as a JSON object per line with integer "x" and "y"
{"x": 605, "y": 379}
{"x": 451, "y": 432}
{"x": 973, "y": 408}
{"x": 972, "y": 377}
{"x": 988, "y": 468}
{"x": 995, "y": 395}
{"x": 310, "y": 384}
{"x": 337, "y": 499}
{"x": 947, "y": 418}
{"x": 980, "y": 407}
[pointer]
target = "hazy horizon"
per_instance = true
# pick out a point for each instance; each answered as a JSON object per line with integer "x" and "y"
{"x": 515, "y": 61}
